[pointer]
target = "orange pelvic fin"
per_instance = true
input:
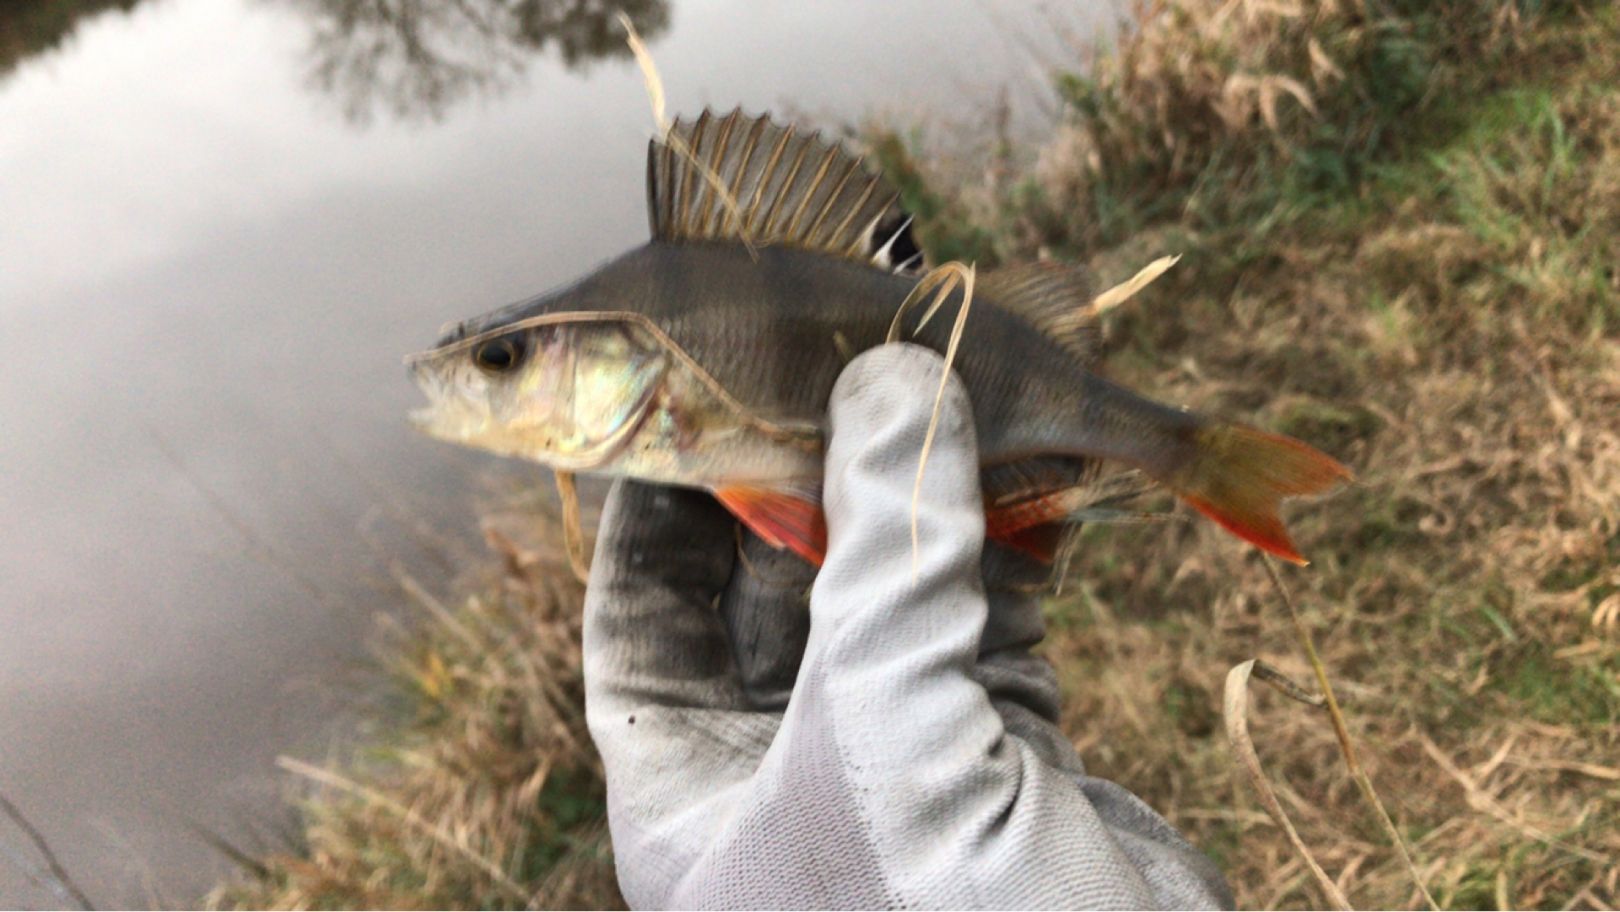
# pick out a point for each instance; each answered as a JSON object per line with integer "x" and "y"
{"x": 793, "y": 519}
{"x": 1040, "y": 542}
{"x": 1240, "y": 475}
{"x": 783, "y": 518}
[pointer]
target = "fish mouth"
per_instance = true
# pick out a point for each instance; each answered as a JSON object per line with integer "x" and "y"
{"x": 433, "y": 421}
{"x": 427, "y": 418}
{"x": 421, "y": 419}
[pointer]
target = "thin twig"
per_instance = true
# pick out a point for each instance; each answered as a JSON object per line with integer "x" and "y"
{"x": 1346, "y": 746}
{"x": 58, "y": 874}
{"x": 237, "y": 855}
{"x": 1288, "y": 686}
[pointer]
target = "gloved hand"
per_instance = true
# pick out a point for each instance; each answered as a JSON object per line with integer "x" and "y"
{"x": 892, "y": 746}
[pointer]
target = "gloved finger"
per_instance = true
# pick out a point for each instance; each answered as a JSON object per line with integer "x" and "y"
{"x": 889, "y": 675}
{"x": 1007, "y": 569}
{"x": 1022, "y": 686}
{"x": 766, "y": 609}
{"x": 662, "y": 696}
{"x": 1014, "y": 622}
{"x": 651, "y": 634}
{"x": 896, "y": 622}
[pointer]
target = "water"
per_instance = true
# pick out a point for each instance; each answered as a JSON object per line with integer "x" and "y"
{"x": 222, "y": 222}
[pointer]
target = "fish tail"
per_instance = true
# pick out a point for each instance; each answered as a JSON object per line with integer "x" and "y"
{"x": 1237, "y": 476}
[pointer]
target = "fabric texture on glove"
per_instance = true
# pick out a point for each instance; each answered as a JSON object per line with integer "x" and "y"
{"x": 892, "y": 745}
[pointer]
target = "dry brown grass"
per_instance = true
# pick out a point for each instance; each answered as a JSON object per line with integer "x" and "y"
{"x": 1400, "y": 223}
{"x": 1444, "y": 319}
{"x": 485, "y": 792}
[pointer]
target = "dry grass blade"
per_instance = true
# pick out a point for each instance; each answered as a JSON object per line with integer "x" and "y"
{"x": 1481, "y": 800}
{"x": 488, "y": 794}
{"x": 573, "y": 535}
{"x": 1236, "y": 707}
{"x": 655, "y": 97}
{"x": 1346, "y": 745}
{"x": 939, "y": 401}
{"x": 1127, "y": 289}
{"x": 1608, "y": 773}
{"x": 411, "y": 818}
{"x": 649, "y": 71}
{"x": 945, "y": 278}
{"x": 1419, "y": 278}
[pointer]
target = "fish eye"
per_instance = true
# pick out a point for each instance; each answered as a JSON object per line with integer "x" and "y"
{"x": 500, "y": 354}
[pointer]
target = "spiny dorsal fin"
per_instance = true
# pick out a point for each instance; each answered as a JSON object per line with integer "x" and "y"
{"x": 749, "y": 179}
{"x": 1054, "y": 297}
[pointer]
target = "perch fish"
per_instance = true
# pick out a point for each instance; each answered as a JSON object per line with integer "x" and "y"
{"x": 705, "y": 358}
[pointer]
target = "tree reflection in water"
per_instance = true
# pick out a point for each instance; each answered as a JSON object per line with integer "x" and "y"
{"x": 415, "y": 59}
{"x": 29, "y": 27}
{"x": 412, "y": 59}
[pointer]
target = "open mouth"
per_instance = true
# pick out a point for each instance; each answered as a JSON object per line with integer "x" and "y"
{"x": 422, "y": 418}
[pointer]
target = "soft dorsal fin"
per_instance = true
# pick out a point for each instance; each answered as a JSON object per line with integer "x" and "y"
{"x": 749, "y": 179}
{"x": 1054, "y": 297}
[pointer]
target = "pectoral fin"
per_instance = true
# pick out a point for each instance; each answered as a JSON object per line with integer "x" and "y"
{"x": 783, "y": 518}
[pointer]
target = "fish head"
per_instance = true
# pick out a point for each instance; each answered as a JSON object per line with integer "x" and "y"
{"x": 567, "y": 391}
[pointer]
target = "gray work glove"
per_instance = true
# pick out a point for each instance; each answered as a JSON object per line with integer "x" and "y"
{"x": 892, "y": 746}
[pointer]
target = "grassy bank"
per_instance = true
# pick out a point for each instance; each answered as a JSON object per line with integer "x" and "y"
{"x": 1401, "y": 226}
{"x": 478, "y": 786}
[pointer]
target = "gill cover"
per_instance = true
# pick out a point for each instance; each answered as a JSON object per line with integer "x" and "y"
{"x": 573, "y": 393}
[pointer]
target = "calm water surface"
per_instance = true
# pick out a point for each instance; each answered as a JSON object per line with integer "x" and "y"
{"x": 222, "y": 222}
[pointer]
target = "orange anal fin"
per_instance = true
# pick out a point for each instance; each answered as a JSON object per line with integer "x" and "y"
{"x": 1265, "y": 532}
{"x": 784, "y": 519}
{"x": 1031, "y": 525}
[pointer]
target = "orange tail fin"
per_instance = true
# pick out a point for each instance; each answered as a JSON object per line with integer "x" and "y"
{"x": 1240, "y": 474}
